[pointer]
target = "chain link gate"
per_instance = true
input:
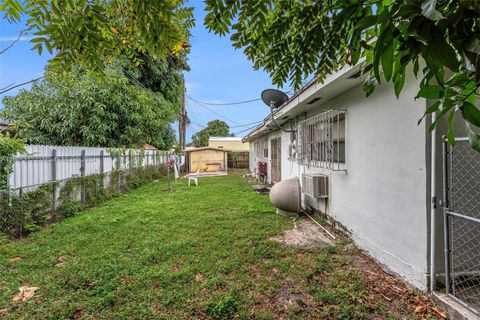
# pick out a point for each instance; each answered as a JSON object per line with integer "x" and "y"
{"x": 461, "y": 199}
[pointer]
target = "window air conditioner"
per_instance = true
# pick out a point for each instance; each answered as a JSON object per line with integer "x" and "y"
{"x": 315, "y": 185}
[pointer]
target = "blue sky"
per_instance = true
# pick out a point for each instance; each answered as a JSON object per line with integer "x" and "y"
{"x": 219, "y": 74}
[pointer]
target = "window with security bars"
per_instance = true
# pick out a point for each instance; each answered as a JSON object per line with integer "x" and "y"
{"x": 321, "y": 140}
{"x": 261, "y": 149}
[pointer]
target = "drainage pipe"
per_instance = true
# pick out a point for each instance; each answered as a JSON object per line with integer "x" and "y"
{"x": 433, "y": 204}
{"x": 322, "y": 227}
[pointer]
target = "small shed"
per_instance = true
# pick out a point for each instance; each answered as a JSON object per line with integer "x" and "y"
{"x": 7, "y": 127}
{"x": 207, "y": 159}
{"x": 149, "y": 147}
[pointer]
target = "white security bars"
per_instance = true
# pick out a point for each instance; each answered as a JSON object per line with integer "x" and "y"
{"x": 321, "y": 141}
{"x": 261, "y": 149}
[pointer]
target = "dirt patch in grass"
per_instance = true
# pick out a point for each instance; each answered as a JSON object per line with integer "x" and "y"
{"x": 304, "y": 234}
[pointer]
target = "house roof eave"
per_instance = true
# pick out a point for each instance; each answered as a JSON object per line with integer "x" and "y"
{"x": 312, "y": 88}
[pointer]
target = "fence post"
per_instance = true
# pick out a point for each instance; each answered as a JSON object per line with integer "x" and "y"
{"x": 446, "y": 227}
{"x": 22, "y": 219}
{"x": 54, "y": 178}
{"x": 102, "y": 169}
{"x": 130, "y": 160}
{"x": 168, "y": 174}
{"x": 124, "y": 172}
{"x": 119, "y": 168}
{"x": 82, "y": 174}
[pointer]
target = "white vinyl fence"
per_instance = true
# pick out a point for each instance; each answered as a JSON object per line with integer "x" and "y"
{"x": 45, "y": 164}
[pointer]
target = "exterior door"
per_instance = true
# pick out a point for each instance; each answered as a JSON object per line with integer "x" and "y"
{"x": 276, "y": 164}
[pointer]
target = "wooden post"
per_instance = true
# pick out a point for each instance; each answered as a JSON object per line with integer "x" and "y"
{"x": 182, "y": 122}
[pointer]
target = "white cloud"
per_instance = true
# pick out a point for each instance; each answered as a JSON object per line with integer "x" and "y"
{"x": 13, "y": 38}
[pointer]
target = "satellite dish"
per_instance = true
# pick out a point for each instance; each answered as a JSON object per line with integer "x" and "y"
{"x": 274, "y": 98}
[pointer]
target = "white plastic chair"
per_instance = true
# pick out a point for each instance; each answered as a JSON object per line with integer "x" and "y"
{"x": 194, "y": 177}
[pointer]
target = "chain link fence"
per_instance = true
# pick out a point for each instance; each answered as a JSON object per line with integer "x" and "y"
{"x": 462, "y": 193}
{"x": 56, "y": 182}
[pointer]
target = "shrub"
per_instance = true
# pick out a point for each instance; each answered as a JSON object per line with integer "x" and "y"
{"x": 8, "y": 148}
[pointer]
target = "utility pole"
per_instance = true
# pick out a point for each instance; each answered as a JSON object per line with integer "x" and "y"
{"x": 182, "y": 122}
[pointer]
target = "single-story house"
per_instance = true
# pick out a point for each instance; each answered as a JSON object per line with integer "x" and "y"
{"x": 366, "y": 164}
{"x": 238, "y": 150}
{"x": 207, "y": 159}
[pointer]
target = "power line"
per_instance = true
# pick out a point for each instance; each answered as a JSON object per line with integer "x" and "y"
{"x": 197, "y": 125}
{"x": 247, "y": 124}
{"x": 223, "y": 104}
{"x": 214, "y": 112}
{"x": 245, "y": 130}
{"x": 130, "y": 76}
{"x": 12, "y": 86}
{"x": 230, "y": 127}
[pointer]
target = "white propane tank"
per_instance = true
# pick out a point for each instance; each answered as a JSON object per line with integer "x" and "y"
{"x": 286, "y": 196}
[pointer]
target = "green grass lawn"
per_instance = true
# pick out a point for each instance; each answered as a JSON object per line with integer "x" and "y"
{"x": 195, "y": 253}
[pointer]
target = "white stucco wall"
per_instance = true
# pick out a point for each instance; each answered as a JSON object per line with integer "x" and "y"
{"x": 382, "y": 197}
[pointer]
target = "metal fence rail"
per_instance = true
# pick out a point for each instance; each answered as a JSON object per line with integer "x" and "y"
{"x": 462, "y": 223}
{"x": 51, "y": 182}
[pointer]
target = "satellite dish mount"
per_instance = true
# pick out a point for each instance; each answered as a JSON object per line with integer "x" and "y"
{"x": 274, "y": 99}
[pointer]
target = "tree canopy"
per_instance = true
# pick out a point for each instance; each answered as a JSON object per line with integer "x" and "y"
{"x": 74, "y": 108}
{"x": 90, "y": 33}
{"x": 293, "y": 40}
{"x": 215, "y": 128}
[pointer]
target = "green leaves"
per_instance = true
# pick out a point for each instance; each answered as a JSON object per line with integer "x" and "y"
{"x": 429, "y": 92}
{"x": 80, "y": 31}
{"x": 399, "y": 81}
{"x": 12, "y": 10}
{"x": 387, "y": 60}
{"x": 473, "y": 138}
{"x": 75, "y": 108}
{"x": 8, "y": 148}
{"x": 216, "y": 128}
{"x": 471, "y": 113}
{"x": 293, "y": 40}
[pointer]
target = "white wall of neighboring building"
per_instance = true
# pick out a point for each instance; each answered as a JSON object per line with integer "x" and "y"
{"x": 228, "y": 143}
{"x": 382, "y": 197}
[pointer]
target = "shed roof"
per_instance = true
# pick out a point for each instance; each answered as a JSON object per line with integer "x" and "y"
{"x": 225, "y": 139}
{"x": 206, "y": 148}
{"x": 149, "y": 147}
{"x": 6, "y": 127}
